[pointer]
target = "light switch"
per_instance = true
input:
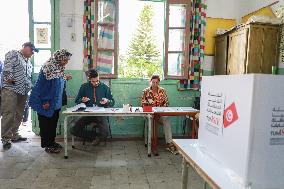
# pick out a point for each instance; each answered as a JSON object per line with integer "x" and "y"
{"x": 69, "y": 22}
{"x": 73, "y": 37}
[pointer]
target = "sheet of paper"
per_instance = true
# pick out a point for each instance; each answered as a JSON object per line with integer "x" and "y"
{"x": 187, "y": 109}
{"x": 95, "y": 109}
{"x": 162, "y": 109}
{"x": 74, "y": 108}
{"x": 173, "y": 109}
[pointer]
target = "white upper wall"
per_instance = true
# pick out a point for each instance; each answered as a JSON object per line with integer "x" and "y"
{"x": 234, "y": 8}
{"x": 249, "y": 6}
{"x": 223, "y": 8}
{"x": 72, "y": 9}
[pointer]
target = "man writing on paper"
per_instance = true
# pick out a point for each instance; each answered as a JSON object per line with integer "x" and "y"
{"x": 95, "y": 93}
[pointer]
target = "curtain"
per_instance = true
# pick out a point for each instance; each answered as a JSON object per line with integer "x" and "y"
{"x": 106, "y": 13}
{"x": 196, "y": 45}
{"x": 88, "y": 35}
{"x": 106, "y": 30}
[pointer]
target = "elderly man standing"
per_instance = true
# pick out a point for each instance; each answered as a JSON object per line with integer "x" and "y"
{"x": 16, "y": 85}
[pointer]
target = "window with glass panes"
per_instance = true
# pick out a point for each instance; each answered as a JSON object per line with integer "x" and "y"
{"x": 106, "y": 48}
{"x": 176, "y": 63}
{"x": 176, "y": 47}
{"x": 43, "y": 20}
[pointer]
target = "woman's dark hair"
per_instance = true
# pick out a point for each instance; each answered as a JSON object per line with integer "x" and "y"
{"x": 93, "y": 73}
{"x": 155, "y": 77}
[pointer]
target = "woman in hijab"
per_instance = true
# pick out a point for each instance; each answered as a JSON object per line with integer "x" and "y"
{"x": 46, "y": 98}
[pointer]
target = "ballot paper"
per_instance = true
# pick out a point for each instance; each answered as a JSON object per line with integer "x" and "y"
{"x": 95, "y": 109}
{"x": 173, "y": 109}
{"x": 82, "y": 108}
{"x": 77, "y": 107}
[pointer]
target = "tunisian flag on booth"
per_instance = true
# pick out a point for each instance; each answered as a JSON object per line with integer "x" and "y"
{"x": 230, "y": 115}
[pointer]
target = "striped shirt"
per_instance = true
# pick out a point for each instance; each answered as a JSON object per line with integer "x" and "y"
{"x": 18, "y": 69}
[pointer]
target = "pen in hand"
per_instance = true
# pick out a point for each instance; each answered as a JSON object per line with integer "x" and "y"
{"x": 85, "y": 99}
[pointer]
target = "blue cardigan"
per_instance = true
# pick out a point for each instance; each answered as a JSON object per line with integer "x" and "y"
{"x": 46, "y": 91}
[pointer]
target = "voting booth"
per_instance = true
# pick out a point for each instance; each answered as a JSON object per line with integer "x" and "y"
{"x": 242, "y": 127}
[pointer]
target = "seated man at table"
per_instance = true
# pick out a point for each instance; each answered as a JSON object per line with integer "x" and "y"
{"x": 156, "y": 96}
{"x": 93, "y": 93}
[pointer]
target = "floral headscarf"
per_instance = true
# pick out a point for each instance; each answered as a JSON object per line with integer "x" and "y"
{"x": 52, "y": 68}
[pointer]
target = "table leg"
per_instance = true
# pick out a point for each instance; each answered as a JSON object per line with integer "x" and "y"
{"x": 155, "y": 137}
{"x": 205, "y": 185}
{"x": 65, "y": 137}
{"x": 146, "y": 133}
{"x": 193, "y": 130}
{"x": 149, "y": 147}
{"x": 73, "y": 145}
{"x": 184, "y": 174}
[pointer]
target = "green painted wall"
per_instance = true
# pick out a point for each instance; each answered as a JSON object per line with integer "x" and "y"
{"x": 129, "y": 91}
{"x": 208, "y": 73}
{"x": 280, "y": 71}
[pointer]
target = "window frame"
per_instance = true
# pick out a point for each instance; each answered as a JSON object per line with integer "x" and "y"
{"x": 186, "y": 49}
{"x": 116, "y": 40}
{"x": 115, "y": 50}
{"x": 55, "y": 28}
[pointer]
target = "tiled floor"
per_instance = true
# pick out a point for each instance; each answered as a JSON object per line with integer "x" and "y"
{"x": 118, "y": 165}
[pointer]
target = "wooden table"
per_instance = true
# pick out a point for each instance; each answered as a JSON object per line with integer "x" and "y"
{"x": 216, "y": 174}
{"x": 171, "y": 111}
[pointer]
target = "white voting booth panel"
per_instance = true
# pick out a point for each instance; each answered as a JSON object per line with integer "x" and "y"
{"x": 242, "y": 127}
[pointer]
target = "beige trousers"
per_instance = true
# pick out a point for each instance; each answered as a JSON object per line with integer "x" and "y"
{"x": 166, "y": 122}
{"x": 12, "y": 107}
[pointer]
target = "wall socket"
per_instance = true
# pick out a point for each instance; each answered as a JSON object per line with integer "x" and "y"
{"x": 73, "y": 37}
